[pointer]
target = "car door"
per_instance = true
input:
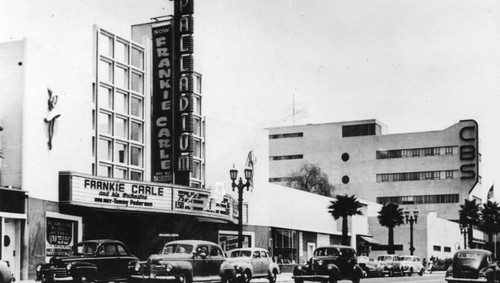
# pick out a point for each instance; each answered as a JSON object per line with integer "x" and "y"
{"x": 104, "y": 265}
{"x": 266, "y": 261}
{"x": 122, "y": 261}
{"x": 256, "y": 263}
{"x": 200, "y": 263}
{"x": 215, "y": 261}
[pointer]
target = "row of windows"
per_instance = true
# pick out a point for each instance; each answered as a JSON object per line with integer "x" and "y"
{"x": 290, "y": 135}
{"x": 119, "y": 116}
{"x": 452, "y": 198}
{"x": 279, "y": 180}
{"x": 416, "y": 152}
{"x": 287, "y": 157}
{"x": 438, "y": 249}
{"x": 416, "y": 176}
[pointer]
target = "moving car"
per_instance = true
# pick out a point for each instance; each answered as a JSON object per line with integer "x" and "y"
{"x": 89, "y": 261}
{"x": 249, "y": 263}
{"x": 411, "y": 264}
{"x": 330, "y": 263}
{"x": 183, "y": 261}
{"x": 391, "y": 264}
{"x": 6, "y": 275}
{"x": 370, "y": 266}
{"x": 473, "y": 265}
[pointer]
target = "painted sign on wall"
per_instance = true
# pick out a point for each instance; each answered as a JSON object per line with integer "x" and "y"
{"x": 469, "y": 150}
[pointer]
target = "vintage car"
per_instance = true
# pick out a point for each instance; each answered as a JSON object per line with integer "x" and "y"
{"x": 247, "y": 263}
{"x": 370, "y": 266}
{"x": 330, "y": 263}
{"x": 89, "y": 261}
{"x": 183, "y": 261}
{"x": 6, "y": 275}
{"x": 473, "y": 265}
{"x": 390, "y": 264}
{"x": 411, "y": 264}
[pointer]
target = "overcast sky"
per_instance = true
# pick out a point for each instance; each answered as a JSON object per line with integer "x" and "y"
{"x": 414, "y": 65}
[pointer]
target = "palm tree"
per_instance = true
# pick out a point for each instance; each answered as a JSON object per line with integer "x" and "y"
{"x": 490, "y": 220}
{"x": 469, "y": 217}
{"x": 390, "y": 216}
{"x": 345, "y": 206}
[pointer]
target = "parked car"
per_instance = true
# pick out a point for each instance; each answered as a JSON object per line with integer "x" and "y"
{"x": 6, "y": 275}
{"x": 370, "y": 266}
{"x": 473, "y": 265}
{"x": 183, "y": 261}
{"x": 391, "y": 264}
{"x": 411, "y": 264}
{"x": 247, "y": 263}
{"x": 330, "y": 263}
{"x": 89, "y": 261}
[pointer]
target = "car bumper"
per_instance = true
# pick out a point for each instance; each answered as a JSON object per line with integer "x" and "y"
{"x": 56, "y": 279}
{"x": 151, "y": 278}
{"x": 315, "y": 277}
{"x": 460, "y": 280}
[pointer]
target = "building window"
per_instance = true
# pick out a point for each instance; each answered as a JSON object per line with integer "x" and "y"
{"x": 121, "y": 154}
{"x": 105, "y": 152}
{"x": 447, "y": 249}
{"x": 449, "y": 174}
{"x": 448, "y": 150}
{"x": 105, "y": 97}
{"x": 121, "y": 128}
{"x": 136, "y": 131}
{"x": 121, "y": 53}
{"x": 136, "y": 107}
{"x": 436, "y": 248}
{"x": 285, "y": 246}
{"x": 137, "y": 82}
{"x": 287, "y": 157}
{"x": 280, "y": 180}
{"x": 136, "y": 156}
{"x": 289, "y": 135}
{"x": 106, "y": 71}
{"x": 422, "y": 199}
{"x": 105, "y": 123}
{"x": 345, "y": 179}
{"x": 415, "y": 152}
{"x": 138, "y": 58}
{"x": 345, "y": 157}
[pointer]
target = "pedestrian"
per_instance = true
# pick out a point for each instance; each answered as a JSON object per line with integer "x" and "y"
{"x": 431, "y": 263}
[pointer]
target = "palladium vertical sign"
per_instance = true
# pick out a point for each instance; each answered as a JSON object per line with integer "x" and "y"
{"x": 184, "y": 69}
{"x": 173, "y": 86}
{"x": 162, "y": 145}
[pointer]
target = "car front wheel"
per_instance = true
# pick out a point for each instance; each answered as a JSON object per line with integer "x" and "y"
{"x": 273, "y": 276}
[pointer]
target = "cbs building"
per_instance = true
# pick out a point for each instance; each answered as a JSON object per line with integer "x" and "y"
{"x": 103, "y": 137}
{"x": 433, "y": 172}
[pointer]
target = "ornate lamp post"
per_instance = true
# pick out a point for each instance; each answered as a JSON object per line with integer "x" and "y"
{"x": 411, "y": 219}
{"x": 240, "y": 185}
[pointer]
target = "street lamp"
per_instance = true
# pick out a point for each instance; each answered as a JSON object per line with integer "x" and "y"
{"x": 240, "y": 185}
{"x": 464, "y": 230}
{"x": 411, "y": 219}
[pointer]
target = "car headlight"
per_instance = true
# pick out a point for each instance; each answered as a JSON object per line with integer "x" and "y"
{"x": 320, "y": 262}
{"x": 137, "y": 267}
{"x": 39, "y": 268}
{"x": 68, "y": 266}
{"x": 168, "y": 268}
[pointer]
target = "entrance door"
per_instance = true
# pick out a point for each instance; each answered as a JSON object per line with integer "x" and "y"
{"x": 10, "y": 242}
{"x": 310, "y": 249}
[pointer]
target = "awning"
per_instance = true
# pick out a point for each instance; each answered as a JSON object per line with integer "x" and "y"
{"x": 370, "y": 240}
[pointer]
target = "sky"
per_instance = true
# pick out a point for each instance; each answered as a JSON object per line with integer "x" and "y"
{"x": 418, "y": 65}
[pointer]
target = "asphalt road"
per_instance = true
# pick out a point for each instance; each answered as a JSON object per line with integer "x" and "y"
{"x": 435, "y": 277}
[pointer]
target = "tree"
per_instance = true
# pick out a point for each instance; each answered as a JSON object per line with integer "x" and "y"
{"x": 310, "y": 178}
{"x": 390, "y": 216}
{"x": 469, "y": 217}
{"x": 345, "y": 206}
{"x": 490, "y": 221}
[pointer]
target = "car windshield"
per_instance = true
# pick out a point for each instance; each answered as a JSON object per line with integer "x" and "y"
{"x": 83, "y": 249}
{"x": 407, "y": 258}
{"x": 470, "y": 255}
{"x": 386, "y": 258}
{"x": 326, "y": 252}
{"x": 243, "y": 253}
{"x": 177, "y": 249}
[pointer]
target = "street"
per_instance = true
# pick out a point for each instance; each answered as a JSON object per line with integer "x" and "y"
{"x": 426, "y": 278}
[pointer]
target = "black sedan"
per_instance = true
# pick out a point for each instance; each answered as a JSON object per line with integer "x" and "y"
{"x": 89, "y": 261}
{"x": 473, "y": 265}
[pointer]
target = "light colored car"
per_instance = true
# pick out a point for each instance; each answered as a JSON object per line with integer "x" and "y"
{"x": 391, "y": 264}
{"x": 6, "y": 275}
{"x": 249, "y": 263}
{"x": 411, "y": 264}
